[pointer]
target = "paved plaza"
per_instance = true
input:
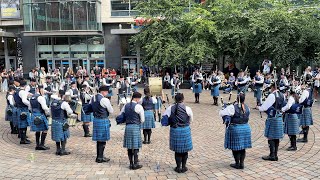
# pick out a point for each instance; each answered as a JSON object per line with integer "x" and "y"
{"x": 208, "y": 160}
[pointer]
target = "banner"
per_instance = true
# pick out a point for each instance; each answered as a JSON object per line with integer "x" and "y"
{"x": 10, "y": 9}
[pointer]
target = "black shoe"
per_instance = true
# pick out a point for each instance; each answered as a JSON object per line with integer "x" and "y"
{"x": 58, "y": 153}
{"x": 291, "y": 148}
{"x": 131, "y": 166}
{"x": 25, "y": 142}
{"x": 106, "y": 159}
{"x": 148, "y": 142}
{"x": 144, "y": 142}
{"x": 302, "y": 140}
{"x": 136, "y": 166}
{"x": 88, "y": 135}
{"x": 269, "y": 158}
{"x": 63, "y": 153}
{"x": 183, "y": 170}
{"x": 177, "y": 169}
{"x": 236, "y": 166}
{"x": 42, "y": 148}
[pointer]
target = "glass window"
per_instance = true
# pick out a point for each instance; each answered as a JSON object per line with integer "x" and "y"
{"x": 96, "y": 47}
{"x": 92, "y": 16}
{"x": 12, "y": 47}
{"x": 120, "y": 8}
{"x": 61, "y": 47}
{"x": 80, "y": 15}
{"x": 66, "y": 15}
{"x": 39, "y": 17}
{"x": 78, "y": 47}
{"x": 44, "y": 47}
{"x": 53, "y": 16}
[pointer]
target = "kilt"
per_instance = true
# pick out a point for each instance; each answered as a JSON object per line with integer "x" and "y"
{"x": 306, "y": 117}
{"x": 6, "y": 116}
{"x": 215, "y": 90}
{"x": 86, "y": 118}
{"x": 238, "y": 137}
{"x": 148, "y": 120}
{"x": 172, "y": 93}
{"x": 57, "y": 133}
{"x": 258, "y": 93}
{"x": 132, "y": 137}
{"x": 180, "y": 139}
{"x": 23, "y": 123}
{"x": 197, "y": 89}
{"x": 291, "y": 124}
{"x": 274, "y": 128}
{"x": 41, "y": 127}
{"x": 158, "y": 105}
{"x": 101, "y": 129}
{"x": 110, "y": 93}
{"x": 15, "y": 116}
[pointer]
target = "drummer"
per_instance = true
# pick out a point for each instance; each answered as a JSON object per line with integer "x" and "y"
{"x": 59, "y": 128}
{"x": 86, "y": 119}
{"x": 74, "y": 92}
{"x": 49, "y": 89}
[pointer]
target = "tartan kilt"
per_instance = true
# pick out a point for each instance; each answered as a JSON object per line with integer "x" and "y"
{"x": 158, "y": 105}
{"x": 291, "y": 124}
{"x": 258, "y": 93}
{"x": 6, "y": 116}
{"x": 85, "y": 117}
{"x": 215, "y": 90}
{"x": 238, "y": 137}
{"x": 274, "y": 128}
{"x": 198, "y": 89}
{"x": 15, "y": 116}
{"x": 57, "y": 133}
{"x": 101, "y": 129}
{"x": 180, "y": 139}
{"x": 23, "y": 123}
{"x": 306, "y": 117}
{"x": 132, "y": 137}
{"x": 41, "y": 127}
{"x": 148, "y": 121}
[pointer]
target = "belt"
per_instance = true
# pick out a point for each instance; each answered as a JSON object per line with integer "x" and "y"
{"x": 133, "y": 123}
{"x": 176, "y": 126}
{"x": 238, "y": 123}
{"x": 100, "y": 117}
{"x": 148, "y": 110}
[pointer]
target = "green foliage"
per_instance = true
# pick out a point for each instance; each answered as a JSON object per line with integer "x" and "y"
{"x": 246, "y": 30}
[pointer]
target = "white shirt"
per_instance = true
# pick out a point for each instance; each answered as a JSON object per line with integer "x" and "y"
{"x": 138, "y": 109}
{"x": 188, "y": 110}
{"x": 64, "y": 105}
{"x": 105, "y": 103}
{"x": 45, "y": 85}
{"x": 167, "y": 78}
{"x": 73, "y": 95}
{"x": 217, "y": 82}
{"x": 290, "y": 102}
{"x": 304, "y": 96}
{"x": 173, "y": 85}
{"x": 43, "y": 103}
{"x": 28, "y": 88}
{"x": 317, "y": 80}
{"x": 271, "y": 99}
{"x": 11, "y": 99}
{"x": 245, "y": 80}
{"x": 118, "y": 86}
{"x": 228, "y": 111}
{"x": 261, "y": 80}
{"x": 23, "y": 94}
{"x": 266, "y": 67}
{"x": 194, "y": 79}
{"x": 63, "y": 84}
{"x": 154, "y": 100}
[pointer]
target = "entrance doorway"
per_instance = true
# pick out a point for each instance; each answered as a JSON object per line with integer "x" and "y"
{"x": 44, "y": 63}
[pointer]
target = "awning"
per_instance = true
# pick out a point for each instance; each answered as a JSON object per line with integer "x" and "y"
{"x": 124, "y": 31}
{"x": 62, "y": 33}
{"x": 7, "y": 34}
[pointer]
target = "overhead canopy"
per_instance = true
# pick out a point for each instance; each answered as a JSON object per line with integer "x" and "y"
{"x": 7, "y": 34}
{"x": 124, "y": 31}
{"x": 62, "y": 33}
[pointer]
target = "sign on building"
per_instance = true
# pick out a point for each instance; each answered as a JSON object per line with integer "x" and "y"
{"x": 10, "y": 9}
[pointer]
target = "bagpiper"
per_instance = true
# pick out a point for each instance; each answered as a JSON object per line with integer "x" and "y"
{"x": 11, "y": 110}
{"x": 197, "y": 79}
{"x": 39, "y": 121}
{"x": 85, "y": 97}
{"x": 175, "y": 85}
{"x": 215, "y": 85}
{"x": 274, "y": 124}
{"x": 238, "y": 131}
{"x": 258, "y": 84}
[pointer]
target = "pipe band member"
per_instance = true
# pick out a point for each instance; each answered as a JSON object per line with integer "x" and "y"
{"x": 148, "y": 104}
{"x": 180, "y": 117}
{"x": 134, "y": 117}
{"x": 23, "y": 106}
{"x": 274, "y": 124}
{"x": 102, "y": 108}
{"x": 60, "y": 110}
{"x": 215, "y": 82}
{"x": 258, "y": 84}
{"x": 238, "y": 133}
{"x": 197, "y": 79}
{"x": 39, "y": 121}
{"x": 74, "y": 92}
{"x": 175, "y": 85}
{"x": 86, "y": 119}
{"x": 49, "y": 89}
{"x": 31, "y": 88}
{"x": 291, "y": 120}
{"x": 11, "y": 110}
{"x": 122, "y": 87}
{"x": 241, "y": 83}
{"x": 306, "y": 119}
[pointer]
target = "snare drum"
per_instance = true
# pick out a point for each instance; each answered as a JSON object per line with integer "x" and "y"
{"x": 78, "y": 108}
{"x": 72, "y": 121}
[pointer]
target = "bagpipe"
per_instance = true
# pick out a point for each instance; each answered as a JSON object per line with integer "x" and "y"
{"x": 227, "y": 119}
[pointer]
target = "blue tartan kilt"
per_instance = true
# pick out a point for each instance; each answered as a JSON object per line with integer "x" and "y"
{"x": 291, "y": 124}
{"x": 15, "y": 116}
{"x": 274, "y": 128}
{"x": 101, "y": 129}
{"x": 258, "y": 93}
{"x": 180, "y": 139}
{"x": 85, "y": 117}
{"x": 6, "y": 116}
{"x": 197, "y": 89}
{"x": 172, "y": 93}
{"x": 215, "y": 90}
{"x": 41, "y": 127}
{"x": 149, "y": 121}
{"x": 306, "y": 117}
{"x": 132, "y": 137}
{"x": 26, "y": 122}
{"x": 238, "y": 137}
{"x": 57, "y": 133}
{"x": 158, "y": 105}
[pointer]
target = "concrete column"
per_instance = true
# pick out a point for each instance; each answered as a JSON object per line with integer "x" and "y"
{"x": 6, "y": 56}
